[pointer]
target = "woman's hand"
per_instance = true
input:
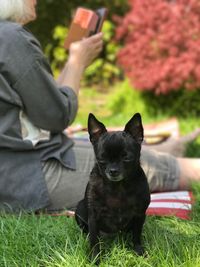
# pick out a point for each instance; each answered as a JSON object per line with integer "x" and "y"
{"x": 83, "y": 52}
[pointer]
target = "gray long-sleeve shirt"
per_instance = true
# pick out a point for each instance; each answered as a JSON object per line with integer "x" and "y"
{"x": 34, "y": 111}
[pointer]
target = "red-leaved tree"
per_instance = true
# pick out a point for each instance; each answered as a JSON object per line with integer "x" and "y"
{"x": 161, "y": 49}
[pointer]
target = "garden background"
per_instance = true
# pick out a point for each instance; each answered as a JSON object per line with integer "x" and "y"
{"x": 150, "y": 64}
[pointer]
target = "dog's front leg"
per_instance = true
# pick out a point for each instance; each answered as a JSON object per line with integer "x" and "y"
{"x": 136, "y": 228}
{"x": 94, "y": 237}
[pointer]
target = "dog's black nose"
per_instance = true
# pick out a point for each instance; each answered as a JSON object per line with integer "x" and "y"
{"x": 114, "y": 172}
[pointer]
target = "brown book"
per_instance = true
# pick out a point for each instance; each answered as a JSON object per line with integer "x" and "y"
{"x": 85, "y": 23}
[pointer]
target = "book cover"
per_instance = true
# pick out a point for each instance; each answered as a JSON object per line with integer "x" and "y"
{"x": 85, "y": 23}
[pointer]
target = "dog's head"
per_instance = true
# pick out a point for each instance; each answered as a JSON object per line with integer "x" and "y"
{"x": 117, "y": 153}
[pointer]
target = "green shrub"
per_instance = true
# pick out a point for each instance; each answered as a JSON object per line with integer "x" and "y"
{"x": 125, "y": 100}
{"x": 55, "y": 50}
{"x": 182, "y": 104}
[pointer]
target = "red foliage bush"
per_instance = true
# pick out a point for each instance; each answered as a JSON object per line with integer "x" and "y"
{"x": 161, "y": 49}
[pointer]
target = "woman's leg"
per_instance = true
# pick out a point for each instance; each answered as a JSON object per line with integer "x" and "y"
{"x": 164, "y": 173}
{"x": 189, "y": 172}
{"x": 67, "y": 187}
{"x": 162, "y": 170}
{"x": 167, "y": 173}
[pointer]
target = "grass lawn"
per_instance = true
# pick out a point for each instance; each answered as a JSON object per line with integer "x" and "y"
{"x": 57, "y": 242}
{"x": 45, "y": 241}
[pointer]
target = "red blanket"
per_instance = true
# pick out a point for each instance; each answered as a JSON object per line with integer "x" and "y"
{"x": 177, "y": 203}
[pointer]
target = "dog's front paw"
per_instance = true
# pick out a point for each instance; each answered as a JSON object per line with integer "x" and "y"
{"x": 96, "y": 261}
{"x": 95, "y": 256}
{"x": 139, "y": 250}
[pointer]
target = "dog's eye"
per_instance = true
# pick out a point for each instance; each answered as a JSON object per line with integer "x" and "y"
{"x": 103, "y": 162}
{"x": 127, "y": 159}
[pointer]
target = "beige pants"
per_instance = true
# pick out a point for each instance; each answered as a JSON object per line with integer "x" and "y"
{"x": 67, "y": 187}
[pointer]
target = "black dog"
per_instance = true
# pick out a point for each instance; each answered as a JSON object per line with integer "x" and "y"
{"x": 117, "y": 194}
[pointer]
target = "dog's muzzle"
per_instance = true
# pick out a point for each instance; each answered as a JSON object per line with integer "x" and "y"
{"x": 114, "y": 175}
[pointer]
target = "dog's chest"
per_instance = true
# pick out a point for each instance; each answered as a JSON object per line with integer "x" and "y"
{"x": 115, "y": 212}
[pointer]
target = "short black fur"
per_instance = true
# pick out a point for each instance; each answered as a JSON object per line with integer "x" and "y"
{"x": 117, "y": 194}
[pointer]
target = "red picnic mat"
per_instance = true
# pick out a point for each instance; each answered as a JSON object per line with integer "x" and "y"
{"x": 177, "y": 203}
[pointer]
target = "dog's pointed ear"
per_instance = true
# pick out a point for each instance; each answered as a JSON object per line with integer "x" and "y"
{"x": 134, "y": 128}
{"x": 95, "y": 128}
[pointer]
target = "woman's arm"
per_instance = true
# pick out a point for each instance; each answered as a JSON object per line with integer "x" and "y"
{"x": 49, "y": 105}
{"x": 81, "y": 55}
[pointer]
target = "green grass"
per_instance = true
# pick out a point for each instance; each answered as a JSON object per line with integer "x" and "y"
{"x": 28, "y": 240}
{"x": 45, "y": 241}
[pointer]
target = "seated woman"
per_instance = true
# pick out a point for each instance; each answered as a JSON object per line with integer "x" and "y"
{"x": 41, "y": 167}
